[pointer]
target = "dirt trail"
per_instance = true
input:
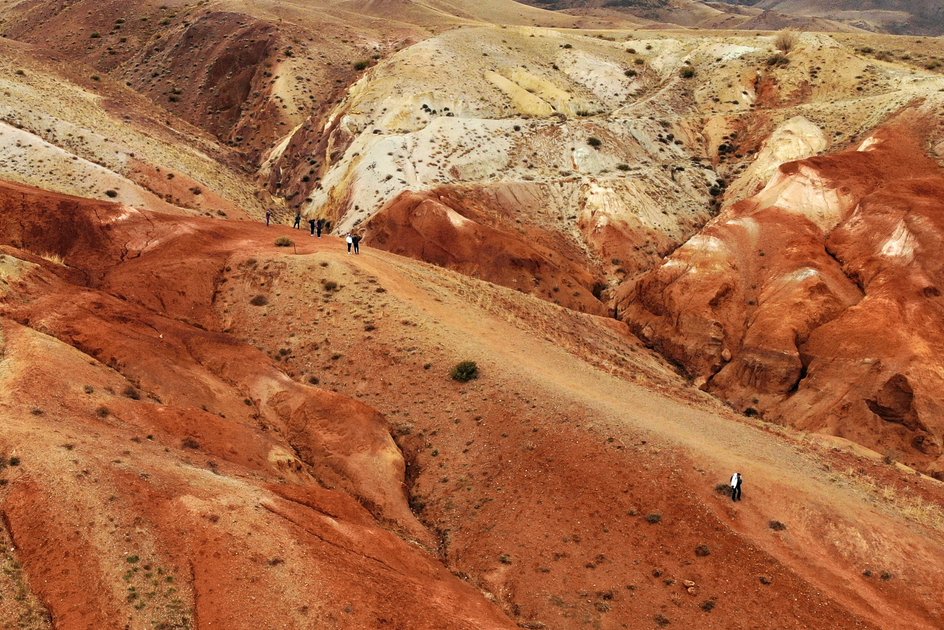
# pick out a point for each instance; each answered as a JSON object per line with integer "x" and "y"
{"x": 539, "y": 481}
{"x": 781, "y": 476}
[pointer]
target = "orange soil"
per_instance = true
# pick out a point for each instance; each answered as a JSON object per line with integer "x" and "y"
{"x": 522, "y": 497}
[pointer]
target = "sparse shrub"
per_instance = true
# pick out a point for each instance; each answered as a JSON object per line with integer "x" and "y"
{"x": 132, "y": 559}
{"x": 777, "y": 526}
{"x": 594, "y": 142}
{"x": 884, "y": 575}
{"x": 15, "y": 461}
{"x": 103, "y": 412}
{"x": 465, "y": 371}
{"x": 284, "y": 241}
{"x": 313, "y": 380}
{"x": 702, "y": 551}
{"x": 654, "y": 518}
{"x": 778, "y": 61}
{"x": 259, "y": 300}
{"x": 661, "y": 620}
{"x": 88, "y": 389}
{"x": 786, "y": 40}
{"x": 624, "y": 168}
{"x": 765, "y": 580}
{"x": 361, "y": 65}
{"x": 95, "y": 35}
{"x": 190, "y": 442}
{"x": 504, "y": 558}
{"x": 131, "y": 392}
{"x": 95, "y": 77}
{"x": 687, "y": 72}
{"x": 417, "y": 504}
{"x": 330, "y": 285}
{"x": 111, "y": 193}
{"x": 631, "y": 73}
{"x": 708, "y": 605}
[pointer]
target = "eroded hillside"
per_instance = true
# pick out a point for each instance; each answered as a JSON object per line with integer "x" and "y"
{"x": 672, "y": 254}
{"x": 177, "y": 457}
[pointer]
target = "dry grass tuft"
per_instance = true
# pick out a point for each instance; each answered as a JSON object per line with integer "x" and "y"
{"x": 786, "y": 40}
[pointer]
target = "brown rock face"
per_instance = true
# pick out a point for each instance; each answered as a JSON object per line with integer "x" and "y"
{"x": 467, "y": 232}
{"x": 816, "y": 302}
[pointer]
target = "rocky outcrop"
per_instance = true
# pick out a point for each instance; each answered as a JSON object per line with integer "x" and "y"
{"x": 816, "y": 302}
{"x": 464, "y": 230}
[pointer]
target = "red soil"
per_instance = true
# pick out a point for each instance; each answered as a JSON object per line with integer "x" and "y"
{"x": 470, "y": 231}
{"x": 824, "y": 321}
{"x": 166, "y": 433}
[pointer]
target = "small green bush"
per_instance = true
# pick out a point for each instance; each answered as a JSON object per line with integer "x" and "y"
{"x": 654, "y": 518}
{"x": 687, "y": 72}
{"x": 594, "y": 142}
{"x": 465, "y": 371}
{"x": 361, "y": 65}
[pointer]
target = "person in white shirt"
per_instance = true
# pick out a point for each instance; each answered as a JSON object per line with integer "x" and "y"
{"x": 736, "y": 486}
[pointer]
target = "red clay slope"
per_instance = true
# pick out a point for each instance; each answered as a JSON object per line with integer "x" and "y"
{"x": 173, "y": 477}
{"x": 470, "y": 231}
{"x": 173, "y": 474}
{"x": 818, "y": 301}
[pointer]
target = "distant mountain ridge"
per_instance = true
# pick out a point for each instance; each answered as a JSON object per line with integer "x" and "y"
{"x": 919, "y": 17}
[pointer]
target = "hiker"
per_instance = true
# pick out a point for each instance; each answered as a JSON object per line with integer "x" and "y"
{"x": 311, "y": 224}
{"x": 350, "y": 242}
{"x": 298, "y": 220}
{"x": 268, "y": 216}
{"x": 319, "y": 225}
{"x": 736, "y": 486}
{"x": 356, "y": 239}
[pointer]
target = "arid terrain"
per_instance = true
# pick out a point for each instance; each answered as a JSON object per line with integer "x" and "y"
{"x": 675, "y": 240}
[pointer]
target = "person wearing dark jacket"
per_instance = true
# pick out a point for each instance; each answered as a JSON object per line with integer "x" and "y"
{"x": 268, "y": 216}
{"x": 311, "y": 224}
{"x": 356, "y": 241}
{"x": 319, "y": 226}
{"x": 736, "y": 486}
{"x": 298, "y": 220}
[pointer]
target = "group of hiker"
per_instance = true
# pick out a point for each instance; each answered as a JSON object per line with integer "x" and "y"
{"x": 317, "y": 226}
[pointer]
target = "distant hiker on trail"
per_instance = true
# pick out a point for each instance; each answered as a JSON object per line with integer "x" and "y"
{"x": 268, "y": 216}
{"x": 311, "y": 224}
{"x": 736, "y": 486}
{"x": 319, "y": 226}
{"x": 298, "y": 220}
{"x": 356, "y": 240}
{"x": 350, "y": 242}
